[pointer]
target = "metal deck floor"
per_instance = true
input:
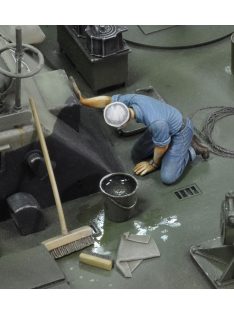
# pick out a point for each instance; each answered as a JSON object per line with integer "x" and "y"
{"x": 189, "y": 79}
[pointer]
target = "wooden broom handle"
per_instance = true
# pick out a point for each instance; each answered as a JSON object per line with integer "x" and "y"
{"x": 49, "y": 167}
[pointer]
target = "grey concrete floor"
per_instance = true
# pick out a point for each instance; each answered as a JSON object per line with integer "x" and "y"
{"x": 188, "y": 79}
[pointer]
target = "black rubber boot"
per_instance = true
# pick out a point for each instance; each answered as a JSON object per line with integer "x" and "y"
{"x": 200, "y": 148}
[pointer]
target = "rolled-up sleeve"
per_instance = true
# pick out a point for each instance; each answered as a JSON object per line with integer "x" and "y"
{"x": 160, "y": 133}
{"x": 126, "y": 99}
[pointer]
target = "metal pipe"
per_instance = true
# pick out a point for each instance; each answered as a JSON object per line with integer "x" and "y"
{"x": 18, "y": 56}
{"x": 232, "y": 53}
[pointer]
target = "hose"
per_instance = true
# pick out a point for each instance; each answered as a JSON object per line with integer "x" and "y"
{"x": 207, "y": 130}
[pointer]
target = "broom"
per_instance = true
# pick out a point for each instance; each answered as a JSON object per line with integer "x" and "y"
{"x": 67, "y": 242}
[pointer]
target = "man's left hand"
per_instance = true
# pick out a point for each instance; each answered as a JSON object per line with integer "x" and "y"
{"x": 143, "y": 168}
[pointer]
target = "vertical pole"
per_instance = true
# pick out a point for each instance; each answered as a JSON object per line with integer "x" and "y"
{"x": 232, "y": 53}
{"x": 18, "y": 55}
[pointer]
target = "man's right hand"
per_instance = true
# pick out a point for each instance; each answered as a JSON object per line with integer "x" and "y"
{"x": 144, "y": 168}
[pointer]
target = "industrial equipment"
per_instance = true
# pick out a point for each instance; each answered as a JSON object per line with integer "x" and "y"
{"x": 80, "y": 154}
{"x": 216, "y": 256}
{"x": 99, "y": 53}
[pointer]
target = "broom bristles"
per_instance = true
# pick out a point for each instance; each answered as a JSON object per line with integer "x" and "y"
{"x": 72, "y": 247}
{"x": 75, "y": 240}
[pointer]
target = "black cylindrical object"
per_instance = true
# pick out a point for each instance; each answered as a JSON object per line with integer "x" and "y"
{"x": 116, "y": 212}
{"x": 36, "y": 163}
{"x": 26, "y": 213}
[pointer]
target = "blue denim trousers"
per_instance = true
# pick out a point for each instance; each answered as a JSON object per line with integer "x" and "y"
{"x": 174, "y": 161}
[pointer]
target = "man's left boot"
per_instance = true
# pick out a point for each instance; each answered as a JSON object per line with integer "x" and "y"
{"x": 200, "y": 148}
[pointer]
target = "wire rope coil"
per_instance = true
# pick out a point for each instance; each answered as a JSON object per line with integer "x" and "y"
{"x": 207, "y": 130}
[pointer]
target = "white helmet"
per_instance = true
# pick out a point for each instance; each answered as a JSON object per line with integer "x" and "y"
{"x": 116, "y": 114}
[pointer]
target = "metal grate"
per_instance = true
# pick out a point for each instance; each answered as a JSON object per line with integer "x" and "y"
{"x": 187, "y": 192}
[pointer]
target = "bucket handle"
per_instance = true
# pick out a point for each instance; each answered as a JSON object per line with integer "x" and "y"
{"x": 122, "y": 206}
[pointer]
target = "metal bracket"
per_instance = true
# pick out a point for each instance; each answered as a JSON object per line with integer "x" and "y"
{"x": 228, "y": 275}
{"x": 216, "y": 261}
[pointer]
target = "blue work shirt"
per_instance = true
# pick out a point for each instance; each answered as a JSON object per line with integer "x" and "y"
{"x": 162, "y": 119}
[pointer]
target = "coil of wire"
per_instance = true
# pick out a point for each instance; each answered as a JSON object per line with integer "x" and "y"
{"x": 207, "y": 130}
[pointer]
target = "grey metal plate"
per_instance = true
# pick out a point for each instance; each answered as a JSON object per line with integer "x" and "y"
{"x": 180, "y": 36}
{"x": 54, "y": 88}
{"x": 31, "y": 34}
{"x": 33, "y": 268}
{"x": 16, "y": 119}
{"x": 60, "y": 285}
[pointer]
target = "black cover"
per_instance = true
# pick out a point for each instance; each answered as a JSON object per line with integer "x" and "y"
{"x": 82, "y": 158}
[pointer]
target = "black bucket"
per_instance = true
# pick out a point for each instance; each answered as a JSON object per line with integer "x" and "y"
{"x": 119, "y": 190}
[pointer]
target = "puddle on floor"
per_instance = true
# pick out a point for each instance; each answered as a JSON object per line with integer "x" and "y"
{"x": 97, "y": 248}
{"x": 228, "y": 69}
{"x": 164, "y": 224}
{"x": 164, "y": 237}
{"x": 169, "y": 222}
{"x": 99, "y": 222}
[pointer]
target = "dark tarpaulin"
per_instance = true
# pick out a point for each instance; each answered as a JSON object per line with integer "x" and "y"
{"x": 82, "y": 158}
